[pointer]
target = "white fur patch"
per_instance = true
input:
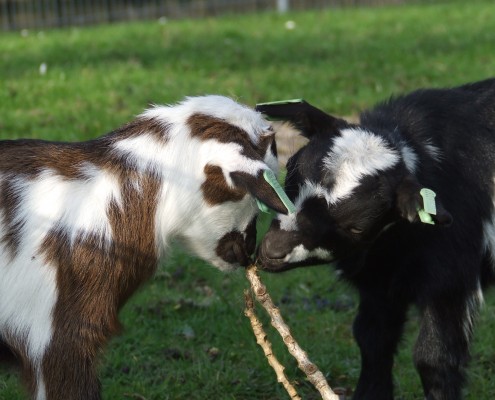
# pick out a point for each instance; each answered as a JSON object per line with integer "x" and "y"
{"x": 144, "y": 152}
{"x": 300, "y": 253}
{"x": 288, "y": 222}
{"x": 40, "y": 387}
{"x": 28, "y": 291}
{"x": 433, "y": 150}
{"x": 489, "y": 233}
{"x": 211, "y": 224}
{"x": 489, "y": 238}
{"x": 354, "y": 154}
{"x": 271, "y": 161}
{"x": 51, "y": 201}
{"x": 473, "y": 305}
{"x": 410, "y": 158}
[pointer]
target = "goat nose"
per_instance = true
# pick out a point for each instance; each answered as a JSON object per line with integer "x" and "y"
{"x": 273, "y": 247}
{"x": 231, "y": 248}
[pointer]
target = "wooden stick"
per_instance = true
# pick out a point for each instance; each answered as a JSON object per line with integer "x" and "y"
{"x": 311, "y": 370}
{"x": 265, "y": 344}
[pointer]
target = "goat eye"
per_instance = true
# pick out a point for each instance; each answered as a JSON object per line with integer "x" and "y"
{"x": 355, "y": 231}
{"x": 268, "y": 131}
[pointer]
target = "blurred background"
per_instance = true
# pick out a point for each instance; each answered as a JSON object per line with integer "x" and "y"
{"x": 26, "y": 14}
{"x": 76, "y": 69}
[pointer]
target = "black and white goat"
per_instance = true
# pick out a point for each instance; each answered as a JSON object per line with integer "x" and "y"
{"x": 82, "y": 225}
{"x": 357, "y": 188}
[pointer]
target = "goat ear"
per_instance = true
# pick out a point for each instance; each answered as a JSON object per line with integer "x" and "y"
{"x": 306, "y": 118}
{"x": 260, "y": 189}
{"x": 411, "y": 203}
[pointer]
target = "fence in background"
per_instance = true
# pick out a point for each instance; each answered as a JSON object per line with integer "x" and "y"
{"x": 41, "y": 14}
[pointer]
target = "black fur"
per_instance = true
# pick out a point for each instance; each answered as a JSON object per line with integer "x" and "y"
{"x": 382, "y": 248}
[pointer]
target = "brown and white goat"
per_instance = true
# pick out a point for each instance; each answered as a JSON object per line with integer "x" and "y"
{"x": 82, "y": 225}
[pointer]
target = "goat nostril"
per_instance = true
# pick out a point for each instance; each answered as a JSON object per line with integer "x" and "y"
{"x": 229, "y": 256}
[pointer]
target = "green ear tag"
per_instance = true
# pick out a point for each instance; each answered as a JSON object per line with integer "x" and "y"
{"x": 429, "y": 206}
{"x": 262, "y": 206}
{"x": 272, "y": 181}
{"x": 425, "y": 217}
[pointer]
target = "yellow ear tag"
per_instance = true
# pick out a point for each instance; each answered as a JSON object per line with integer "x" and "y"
{"x": 429, "y": 206}
{"x": 273, "y": 182}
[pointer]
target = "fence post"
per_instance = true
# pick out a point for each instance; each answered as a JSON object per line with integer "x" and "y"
{"x": 10, "y": 14}
{"x": 282, "y": 6}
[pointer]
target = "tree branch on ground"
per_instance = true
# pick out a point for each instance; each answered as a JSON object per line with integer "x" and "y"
{"x": 314, "y": 375}
{"x": 262, "y": 340}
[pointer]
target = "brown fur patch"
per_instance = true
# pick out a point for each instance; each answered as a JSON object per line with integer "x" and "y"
{"x": 29, "y": 157}
{"x": 15, "y": 353}
{"x": 9, "y": 202}
{"x": 206, "y": 127}
{"x": 251, "y": 236}
{"x": 151, "y": 126}
{"x": 85, "y": 315}
{"x": 266, "y": 142}
{"x": 133, "y": 228}
{"x": 215, "y": 188}
{"x": 94, "y": 280}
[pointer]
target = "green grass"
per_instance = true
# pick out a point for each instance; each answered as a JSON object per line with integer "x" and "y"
{"x": 341, "y": 60}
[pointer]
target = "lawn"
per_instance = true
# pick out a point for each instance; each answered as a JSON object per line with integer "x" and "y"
{"x": 185, "y": 334}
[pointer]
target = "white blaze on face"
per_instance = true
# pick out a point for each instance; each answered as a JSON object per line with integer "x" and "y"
{"x": 354, "y": 154}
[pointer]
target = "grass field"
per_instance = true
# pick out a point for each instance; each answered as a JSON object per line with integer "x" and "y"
{"x": 185, "y": 334}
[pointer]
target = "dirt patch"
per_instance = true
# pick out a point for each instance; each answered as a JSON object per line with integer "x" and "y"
{"x": 289, "y": 139}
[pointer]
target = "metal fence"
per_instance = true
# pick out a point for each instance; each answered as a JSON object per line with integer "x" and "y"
{"x": 42, "y": 14}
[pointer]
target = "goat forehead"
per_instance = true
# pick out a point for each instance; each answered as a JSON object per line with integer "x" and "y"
{"x": 307, "y": 190}
{"x": 354, "y": 154}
